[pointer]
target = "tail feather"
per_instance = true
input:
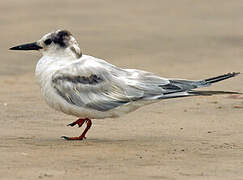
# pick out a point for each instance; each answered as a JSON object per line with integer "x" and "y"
{"x": 220, "y": 78}
{"x": 185, "y": 87}
{"x": 214, "y": 80}
{"x": 196, "y": 93}
{"x": 209, "y": 93}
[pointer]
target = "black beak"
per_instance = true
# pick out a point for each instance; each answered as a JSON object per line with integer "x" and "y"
{"x": 27, "y": 47}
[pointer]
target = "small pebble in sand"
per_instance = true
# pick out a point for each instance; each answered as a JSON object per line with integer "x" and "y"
{"x": 24, "y": 154}
{"x": 238, "y": 107}
{"x": 236, "y": 96}
{"x": 45, "y": 175}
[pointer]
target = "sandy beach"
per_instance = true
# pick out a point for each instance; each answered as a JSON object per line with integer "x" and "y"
{"x": 175, "y": 139}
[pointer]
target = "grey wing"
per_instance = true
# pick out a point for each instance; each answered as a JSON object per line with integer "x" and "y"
{"x": 96, "y": 84}
{"x": 155, "y": 87}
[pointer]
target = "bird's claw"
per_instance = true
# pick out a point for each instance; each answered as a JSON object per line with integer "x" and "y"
{"x": 71, "y": 124}
{"x": 65, "y": 137}
{"x": 79, "y": 122}
{"x": 80, "y": 138}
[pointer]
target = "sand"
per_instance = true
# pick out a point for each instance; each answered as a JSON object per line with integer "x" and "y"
{"x": 187, "y": 138}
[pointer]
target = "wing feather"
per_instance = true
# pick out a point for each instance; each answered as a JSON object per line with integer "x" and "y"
{"x": 95, "y": 84}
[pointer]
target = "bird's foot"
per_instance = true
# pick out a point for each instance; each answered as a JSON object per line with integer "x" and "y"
{"x": 79, "y": 122}
{"x": 80, "y": 138}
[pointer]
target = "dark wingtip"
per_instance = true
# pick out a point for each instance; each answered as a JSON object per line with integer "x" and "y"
{"x": 221, "y": 77}
{"x": 232, "y": 74}
{"x": 209, "y": 93}
{"x": 235, "y": 73}
{"x": 12, "y": 48}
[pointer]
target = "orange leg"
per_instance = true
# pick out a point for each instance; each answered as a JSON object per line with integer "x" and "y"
{"x": 80, "y": 122}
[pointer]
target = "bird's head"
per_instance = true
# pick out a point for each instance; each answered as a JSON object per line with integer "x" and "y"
{"x": 57, "y": 43}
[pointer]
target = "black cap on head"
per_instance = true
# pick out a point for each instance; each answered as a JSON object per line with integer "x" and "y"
{"x": 61, "y": 38}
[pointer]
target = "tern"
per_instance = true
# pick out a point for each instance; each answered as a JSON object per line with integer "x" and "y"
{"x": 91, "y": 88}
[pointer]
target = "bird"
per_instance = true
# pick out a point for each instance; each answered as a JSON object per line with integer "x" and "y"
{"x": 91, "y": 88}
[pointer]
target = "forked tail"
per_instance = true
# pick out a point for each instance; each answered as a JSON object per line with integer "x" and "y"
{"x": 183, "y": 88}
{"x": 214, "y": 80}
{"x": 221, "y": 78}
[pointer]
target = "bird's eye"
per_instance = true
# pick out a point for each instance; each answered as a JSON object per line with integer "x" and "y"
{"x": 48, "y": 42}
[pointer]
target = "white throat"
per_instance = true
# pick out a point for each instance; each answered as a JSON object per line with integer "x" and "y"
{"x": 72, "y": 52}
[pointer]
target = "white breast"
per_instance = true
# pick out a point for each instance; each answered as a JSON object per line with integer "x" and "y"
{"x": 45, "y": 68}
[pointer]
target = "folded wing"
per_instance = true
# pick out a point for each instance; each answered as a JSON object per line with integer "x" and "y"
{"x": 96, "y": 84}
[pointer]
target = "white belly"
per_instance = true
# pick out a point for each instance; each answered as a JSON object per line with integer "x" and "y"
{"x": 60, "y": 104}
{"x": 44, "y": 71}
